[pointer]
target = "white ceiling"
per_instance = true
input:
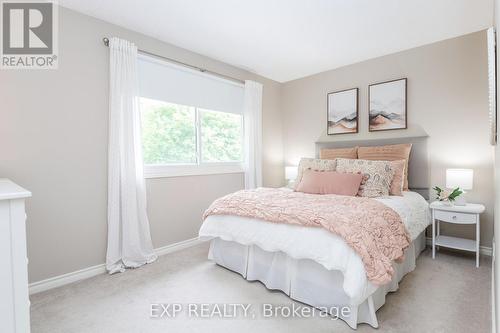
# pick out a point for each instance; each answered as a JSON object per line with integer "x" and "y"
{"x": 289, "y": 39}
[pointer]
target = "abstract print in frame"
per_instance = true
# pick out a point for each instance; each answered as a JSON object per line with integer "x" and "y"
{"x": 388, "y": 105}
{"x": 342, "y": 112}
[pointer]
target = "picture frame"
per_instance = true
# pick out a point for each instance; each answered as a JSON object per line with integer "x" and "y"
{"x": 342, "y": 112}
{"x": 388, "y": 105}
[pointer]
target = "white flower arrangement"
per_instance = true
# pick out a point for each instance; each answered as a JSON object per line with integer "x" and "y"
{"x": 447, "y": 195}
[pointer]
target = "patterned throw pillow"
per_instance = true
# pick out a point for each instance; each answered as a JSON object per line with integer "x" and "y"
{"x": 379, "y": 175}
{"x": 313, "y": 164}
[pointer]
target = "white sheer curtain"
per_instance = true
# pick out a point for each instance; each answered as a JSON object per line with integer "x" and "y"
{"x": 253, "y": 134}
{"x": 129, "y": 239}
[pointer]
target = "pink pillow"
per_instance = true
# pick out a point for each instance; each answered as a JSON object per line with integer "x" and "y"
{"x": 397, "y": 183}
{"x": 330, "y": 182}
{"x": 388, "y": 153}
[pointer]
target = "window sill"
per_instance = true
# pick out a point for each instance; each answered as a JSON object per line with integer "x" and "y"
{"x": 166, "y": 171}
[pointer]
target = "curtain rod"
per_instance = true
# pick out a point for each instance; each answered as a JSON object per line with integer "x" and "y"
{"x": 105, "y": 40}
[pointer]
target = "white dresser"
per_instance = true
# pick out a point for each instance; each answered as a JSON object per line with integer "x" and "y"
{"x": 14, "y": 298}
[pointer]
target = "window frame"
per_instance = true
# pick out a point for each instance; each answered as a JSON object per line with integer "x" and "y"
{"x": 199, "y": 168}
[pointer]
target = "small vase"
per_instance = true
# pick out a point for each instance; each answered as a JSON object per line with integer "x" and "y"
{"x": 447, "y": 203}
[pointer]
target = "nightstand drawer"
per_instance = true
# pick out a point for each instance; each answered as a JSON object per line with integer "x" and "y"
{"x": 454, "y": 217}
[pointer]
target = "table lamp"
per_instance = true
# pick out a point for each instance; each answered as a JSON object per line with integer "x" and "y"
{"x": 290, "y": 174}
{"x": 461, "y": 178}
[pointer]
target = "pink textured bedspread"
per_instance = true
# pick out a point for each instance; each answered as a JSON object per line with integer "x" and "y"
{"x": 372, "y": 229}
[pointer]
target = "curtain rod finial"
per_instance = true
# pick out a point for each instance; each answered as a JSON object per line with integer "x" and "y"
{"x": 105, "y": 40}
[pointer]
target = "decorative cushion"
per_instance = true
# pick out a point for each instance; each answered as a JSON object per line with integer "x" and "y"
{"x": 379, "y": 175}
{"x": 313, "y": 164}
{"x": 330, "y": 182}
{"x": 333, "y": 153}
{"x": 388, "y": 153}
{"x": 398, "y": 179}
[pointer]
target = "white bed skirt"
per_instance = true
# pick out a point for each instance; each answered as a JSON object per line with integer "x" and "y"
{"x": 308, "y": 282}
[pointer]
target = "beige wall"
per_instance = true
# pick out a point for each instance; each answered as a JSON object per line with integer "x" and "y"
{"x": 447, "y": 97}
{"x": 53, "y": 141}
{"x": 176, "y": 204}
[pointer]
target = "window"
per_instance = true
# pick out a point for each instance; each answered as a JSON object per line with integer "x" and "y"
{"x": 184, "y": 140}
{"x": 221, "y": 136}
{"x": 192, "y": 123}
{"x": 168, "y": 133}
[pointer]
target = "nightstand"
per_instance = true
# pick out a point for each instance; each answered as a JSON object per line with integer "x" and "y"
{"x": 468, "y": 214}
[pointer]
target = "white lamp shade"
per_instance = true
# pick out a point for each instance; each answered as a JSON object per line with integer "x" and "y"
{"x": 461, "y": 178}
{"x": 290, "y": 172}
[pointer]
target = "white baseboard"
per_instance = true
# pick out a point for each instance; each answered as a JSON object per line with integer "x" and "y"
{"x": 61, "y": 280}
{"x": 178, "y": 246}
{"x": 484, "y": 250}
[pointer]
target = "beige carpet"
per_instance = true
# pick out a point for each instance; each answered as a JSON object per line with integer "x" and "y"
{"x": 444, "y": 295}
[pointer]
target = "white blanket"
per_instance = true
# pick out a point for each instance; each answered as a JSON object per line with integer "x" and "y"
{"x": 317, "y": 244}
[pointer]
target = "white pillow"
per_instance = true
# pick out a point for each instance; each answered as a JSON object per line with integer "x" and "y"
{"x": 313, "y": 164}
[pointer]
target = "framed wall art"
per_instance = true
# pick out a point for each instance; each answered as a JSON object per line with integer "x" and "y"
{"x": 387, "y": 105}
{"x": 342, "y": 112}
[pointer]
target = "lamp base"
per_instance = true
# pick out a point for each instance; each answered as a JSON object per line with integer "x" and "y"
{"x": 460, "y": 201}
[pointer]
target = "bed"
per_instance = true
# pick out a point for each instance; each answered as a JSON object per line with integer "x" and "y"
{"x": 313, "y": 265}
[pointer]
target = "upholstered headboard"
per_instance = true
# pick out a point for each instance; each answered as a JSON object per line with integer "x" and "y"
{"x": 418, "y": 177}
